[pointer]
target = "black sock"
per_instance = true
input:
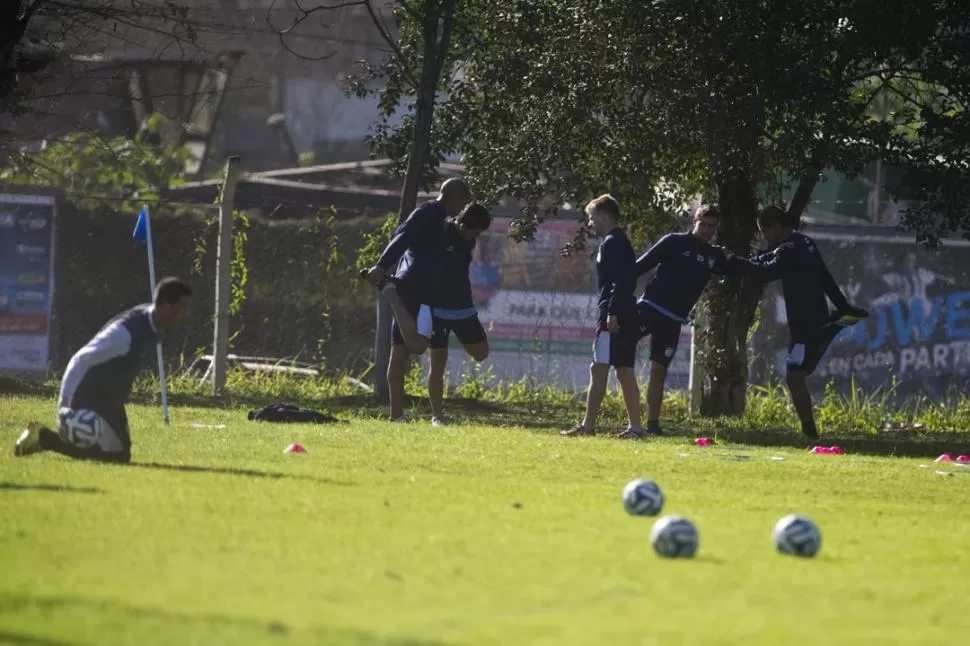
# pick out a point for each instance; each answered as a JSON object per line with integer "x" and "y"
{"x": 51, "y": 441}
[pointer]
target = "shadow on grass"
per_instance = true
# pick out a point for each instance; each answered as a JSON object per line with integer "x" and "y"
{"x": 907, "y": 445}
{"x": 29, "y": 640}
{"x": 234, "y": 471}
{"x": 19, "y": 486}
{"x": 203, "y": 622}
{"x": 546, "y": 418}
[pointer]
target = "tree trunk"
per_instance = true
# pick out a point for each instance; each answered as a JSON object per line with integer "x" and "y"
{"x": 730, "y": 306}
{"x": 13, "y": 25}
{"x": 437, "y": 28}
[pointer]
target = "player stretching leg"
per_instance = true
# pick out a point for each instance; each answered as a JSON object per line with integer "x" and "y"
{"x": 416, "y": 251}
{"x": 97, "y": 383}
{"x": 617, "y": 330}
{"x": 685, "y": 262}
{"x": 806, "y": 281}
{"x": 454, "y": 310}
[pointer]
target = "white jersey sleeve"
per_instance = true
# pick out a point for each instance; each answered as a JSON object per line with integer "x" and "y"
{"x": 110, "y": 343}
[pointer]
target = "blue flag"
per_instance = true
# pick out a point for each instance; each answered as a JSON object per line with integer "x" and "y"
{"x": 140, "y": 234}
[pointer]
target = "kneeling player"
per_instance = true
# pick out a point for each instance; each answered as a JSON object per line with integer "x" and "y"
{"x": 92, "y": 423}
{"x": 617, "y": 330}
{"x": 454, "y": 309}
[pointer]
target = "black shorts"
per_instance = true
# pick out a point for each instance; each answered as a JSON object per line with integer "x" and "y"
{"x": 419, "y": 312}
{"x": 117, "y": 437}
{"x": 664, "y": 333}
{"x": 468, "y": 331}
{"x": 617, "y": 350}
{"x": 804, "y": 356}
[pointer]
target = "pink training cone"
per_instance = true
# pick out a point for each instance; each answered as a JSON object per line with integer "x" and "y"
{"x": 963, "y": 459}
{"x": 294, "y": 448}
{"x": 821, "y": 450}
{"x": 836, "y": 450}
{"x": 703, "y": 441}
{"x": 946, "y": 457}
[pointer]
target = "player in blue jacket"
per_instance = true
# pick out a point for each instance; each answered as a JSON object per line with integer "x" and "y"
{"x": 454, "y": 309}
{"x": 806, "y": 281}
{"x": 685, "y": 263}
{"x": 410, "y": 270}
{"x": 617, "y": 330}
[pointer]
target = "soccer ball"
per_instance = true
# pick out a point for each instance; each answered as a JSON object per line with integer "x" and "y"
{"x": 643, "y": 498}
{"x": 81, "y": 428}
{"x": 674, "y": 536}
{"x": 797, "y": 536}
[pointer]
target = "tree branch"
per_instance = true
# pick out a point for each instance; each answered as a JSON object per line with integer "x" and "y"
{"x": 302, "y": 17}
{"x": 444, "y": 43}
{"x": 402, "y": 62}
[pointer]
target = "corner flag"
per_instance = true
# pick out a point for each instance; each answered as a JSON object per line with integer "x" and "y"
{"x": 143, "y": 236}
{"x": 140, "y": 234}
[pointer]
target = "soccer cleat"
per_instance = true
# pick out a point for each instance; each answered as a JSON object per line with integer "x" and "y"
{"x": 440, "y": 421}
{"x": 632, "y": 433}
{"x": 29, "y": 441}
{"x": 578, "y": 431}
{"x": 849, "y": 317}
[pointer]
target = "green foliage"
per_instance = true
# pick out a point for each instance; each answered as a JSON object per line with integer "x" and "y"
{"x": 330, "y": 267}
{"x": 238, "y": 268}
{"x": 376, "y": 241}
{"x": 660, "y": 102}
{"x": 875, "y": 415}
{"x": 122, "y": 173}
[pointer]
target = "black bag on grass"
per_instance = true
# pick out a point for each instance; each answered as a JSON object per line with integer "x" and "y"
{"x": 288, "y": 413}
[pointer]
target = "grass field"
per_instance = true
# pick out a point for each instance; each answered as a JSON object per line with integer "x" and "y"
{"x": 391, "y": 534}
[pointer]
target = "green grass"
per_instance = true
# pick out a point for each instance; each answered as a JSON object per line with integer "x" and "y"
{"x": 391, "y": 534}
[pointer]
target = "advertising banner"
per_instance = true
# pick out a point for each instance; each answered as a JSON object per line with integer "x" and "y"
{"x": 539, "y": 309}
{"x": 918, "y": 332}
{"x": 26, "y": 282}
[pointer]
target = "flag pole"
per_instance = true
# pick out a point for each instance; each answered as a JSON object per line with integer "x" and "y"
{"x": 158, "y": 345}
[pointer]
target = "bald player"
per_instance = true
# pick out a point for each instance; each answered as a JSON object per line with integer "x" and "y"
{"x": 409, "y": 271}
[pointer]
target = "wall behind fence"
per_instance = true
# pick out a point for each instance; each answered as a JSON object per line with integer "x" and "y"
{"x": 302, "y": 299}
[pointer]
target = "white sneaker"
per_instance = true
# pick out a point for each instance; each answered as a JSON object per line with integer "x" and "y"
{"x": 440, "y": 421}
{"x": 29, "y": 441}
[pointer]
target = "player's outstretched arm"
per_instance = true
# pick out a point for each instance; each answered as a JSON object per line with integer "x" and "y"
{"x": 653, "y": 256}
{"x": 832, "y": 289}
{"x": 766, "y": 271}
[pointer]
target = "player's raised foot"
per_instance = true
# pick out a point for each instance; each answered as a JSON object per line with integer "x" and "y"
{"x": 29, "y": 441}
{"x": 850, "y": 316}
{"x": 578, "y": 431}
{"x": 440, "y": 420}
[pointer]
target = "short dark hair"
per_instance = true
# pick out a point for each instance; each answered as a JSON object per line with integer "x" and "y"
{"x": 171, "y": 290}
{"x": 475, "y": 216}
{"x": 606, "y": 203}
{"x": 772, "y": 215}
{"x": 707, "y": 211}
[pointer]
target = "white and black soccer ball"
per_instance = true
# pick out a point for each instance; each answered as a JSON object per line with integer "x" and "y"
{"x": 81, "y": 428}
{"x": 796, "y": 535}
{"x": 674, "y": 537}
{"x": 643, "y": 498}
